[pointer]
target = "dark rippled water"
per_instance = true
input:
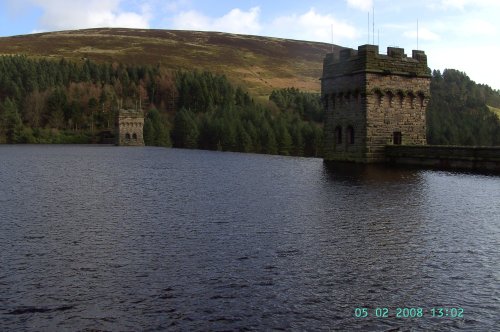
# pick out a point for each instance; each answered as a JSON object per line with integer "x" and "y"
{"x": 131, "y": 239}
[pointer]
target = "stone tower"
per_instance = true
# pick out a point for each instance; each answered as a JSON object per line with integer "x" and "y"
{"x": 373, "y": 100}
{"x": 130, "y": 125}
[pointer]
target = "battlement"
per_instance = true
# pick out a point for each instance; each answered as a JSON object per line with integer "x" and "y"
{"x": 130, "y": 113}
{"x": 368, "y": 59}
{"x": 372, "y": 100}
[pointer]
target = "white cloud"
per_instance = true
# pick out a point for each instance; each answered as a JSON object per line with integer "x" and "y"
{"x": 476, "y": 27}
{"x": 423, "y": 34}
{"x": 76, "y": 14}
{"x": 191, "y": 20}
{"x": 365, "y": 5}
{"x": 457, "y": 29}
{"x": 462, "y": 4}
{"x": 236, "y": 21}
{"x": 464, "y": 58}
{"x": 312, "y": 26}
{"x": 239, "y": 21}
{"x": 308, "y": 26}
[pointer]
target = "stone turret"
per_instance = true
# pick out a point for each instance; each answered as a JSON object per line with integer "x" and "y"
{"x": 372, "y": 100}
{"x": 130, "y": 126}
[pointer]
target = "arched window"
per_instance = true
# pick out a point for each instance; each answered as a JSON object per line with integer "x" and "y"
{"x": 401, "y": 99}
{"x": 350, "y": 135}
{"x": 127, "y": 136}
{"x": 412, "y": 99}
{"x": 378, "y": 96}
{"x": 390, "y": 97}
{"x": 421, "y": 99}
{"x": 338, "y": 135}
{"x": 134, "y": 137}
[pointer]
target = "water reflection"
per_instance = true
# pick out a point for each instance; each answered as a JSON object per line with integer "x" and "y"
{"x": 381, "y": 212}
{"x": 368, "y": 174}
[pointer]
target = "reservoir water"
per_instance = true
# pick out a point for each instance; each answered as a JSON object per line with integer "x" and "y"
{"x": 100, "y": 238}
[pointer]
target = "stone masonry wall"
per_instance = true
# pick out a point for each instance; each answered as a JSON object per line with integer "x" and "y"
{"x": 367, "y": 58}
{"x": 395, "y": 104}
{"x": 345, "y": 108}
{"x": 130, "y": 128}
{"x": 381, "y": 98}
{"x": 446, "y": 157}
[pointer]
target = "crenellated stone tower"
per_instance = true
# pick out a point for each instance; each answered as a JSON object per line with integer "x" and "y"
{"x": 373, "y": 100}
{"x": 130, "y": 126}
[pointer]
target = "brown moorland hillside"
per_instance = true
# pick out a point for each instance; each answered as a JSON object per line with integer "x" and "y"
{"x": 260, "y": 64}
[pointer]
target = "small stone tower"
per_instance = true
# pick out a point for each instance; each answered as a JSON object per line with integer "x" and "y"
{"x": 130, "y": 125}
{"x": 373, "y": 100}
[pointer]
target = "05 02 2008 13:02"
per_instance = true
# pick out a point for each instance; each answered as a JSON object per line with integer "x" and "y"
{"x": 409, "y": 312}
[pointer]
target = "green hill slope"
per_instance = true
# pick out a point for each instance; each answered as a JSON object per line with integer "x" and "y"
{"x": 261, "y": 64}
{"x": 457, "y": 113}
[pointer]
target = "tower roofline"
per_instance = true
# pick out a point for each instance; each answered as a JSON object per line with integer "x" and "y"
{"x": 368, "y": 59}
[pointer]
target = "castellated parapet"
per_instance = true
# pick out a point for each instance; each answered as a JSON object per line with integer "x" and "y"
{"x": 130, "y": 126}
{"x": 372, "y": 100}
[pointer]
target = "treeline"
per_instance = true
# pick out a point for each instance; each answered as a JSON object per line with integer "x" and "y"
{"x": 307, "y": 105}
{"x": 458, "y": 114}
{"x": 43, "y": 101}
{"x": 214, "y": 115}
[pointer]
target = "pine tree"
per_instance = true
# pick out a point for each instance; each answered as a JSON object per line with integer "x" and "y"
{"x": 268, "y": 139}
{"x": 149, "y": 132}
{"x": 284, "y": 139}
{"x": 185, "y": 132}
{"x": 11, "y": 120}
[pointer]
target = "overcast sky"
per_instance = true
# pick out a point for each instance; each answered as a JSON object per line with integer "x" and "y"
{"x": 460, "y": 34}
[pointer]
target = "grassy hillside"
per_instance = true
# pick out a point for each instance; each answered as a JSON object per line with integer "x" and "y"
{"x": 261, "y": 64}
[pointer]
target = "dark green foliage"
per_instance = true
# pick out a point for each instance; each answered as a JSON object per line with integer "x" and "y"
{"x": 10, "y": 120}
{"x": 225, "y": 118}
{"x": 185, "y": 133}
{"x": 149, "y": 132}
{"x": 57, "y": 109}
{"x": 313, "y": 140}
{"x": 201, "y": 92}
{"x": 457, "y": 113}
{"x": 307, "y": 105}
{"x": 43, "y": 101}
{"x": 243, "y": 139}
{"x": 156, "y": 129}
{"x": 283, "y": 137}
{"x": 66, "y": 102}
{"x": 71, "y": 100}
